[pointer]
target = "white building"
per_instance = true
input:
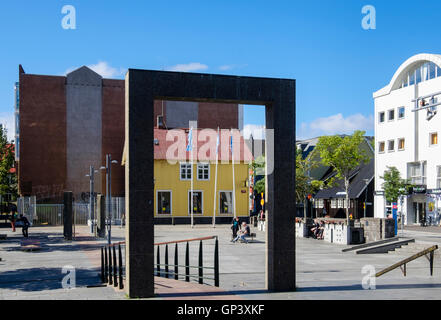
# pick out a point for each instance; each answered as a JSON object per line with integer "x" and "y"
{"x": 408, "y": 139}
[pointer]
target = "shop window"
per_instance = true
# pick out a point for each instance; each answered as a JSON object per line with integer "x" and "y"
{"x": 197, "y": 202}
{"x": 226, "y": 202}
{"x": 164, "y": 202}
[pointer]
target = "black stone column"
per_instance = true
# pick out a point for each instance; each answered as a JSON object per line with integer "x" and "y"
{"x": 281, "y": 209}
{"x": 67, "y": 215}
{"x": 139, "y": 188}
{"x": 101, "y": 216}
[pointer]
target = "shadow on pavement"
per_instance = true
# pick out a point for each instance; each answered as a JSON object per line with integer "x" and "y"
{"x": 39, "y": 279}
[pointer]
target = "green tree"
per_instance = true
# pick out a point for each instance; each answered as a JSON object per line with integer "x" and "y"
{"x": 305, "y": 185}
{"x": 8, "y": 180}
{"x": 394, "y": 186}
{"x": 343, "y": 154}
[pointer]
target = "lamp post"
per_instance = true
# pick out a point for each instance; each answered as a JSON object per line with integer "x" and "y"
{"x": 108, "y": 169}
{"x": 91, "y": 176}
{"x": 366, "y": 181}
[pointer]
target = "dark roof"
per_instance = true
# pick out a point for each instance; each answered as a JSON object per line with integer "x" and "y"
{"x": 356, "y": 184}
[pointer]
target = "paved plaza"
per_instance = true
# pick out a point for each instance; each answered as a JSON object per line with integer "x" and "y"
{"x": 323, "y": 270}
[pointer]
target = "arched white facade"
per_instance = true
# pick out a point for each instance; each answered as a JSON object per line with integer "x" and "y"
{"x": 408, "y": 139}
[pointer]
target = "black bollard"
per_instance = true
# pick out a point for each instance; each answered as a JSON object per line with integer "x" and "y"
{"x": 121, "y": 285}
{"x": 115, "y": 276}
{"x": 158, "y": 263}
{"x": 176, "y": 263}
{"x": 102, "y": 265}
{"x": 110, "y": 266}
{"x": 187, "y": 263}
{"x": 201, "y": 273}
{"x": 216, "y": 263}
{"x": 166, "y": 260}
{"x": 105, "y": 265}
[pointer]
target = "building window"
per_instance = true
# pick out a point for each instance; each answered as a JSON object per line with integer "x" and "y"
{"x": 432, "y": 70}
{"x": 164, "y": 199}
{"x": 204, "y": 171}
{"x": 318, "y": 203}
{"x": 197, "y": 202}
{"x": 401, "y": 112}
{"x": 433, "y": 138}
{"x": 391, "y": 146}
{"x": 185, "y": 171}
{"x": 417, "y": 173}
{"x": 438, "y": 177}
{"x": 381, "y": 117}
{"x": 391, "y": 115}
{"x": 333, "y": 203}
{"x": 226, "y": 202}
{"x": 412, "y": 78}
{"x": 401, "y": 144}
{"x": 418, "y": 75}
{"x": 381, "y": 146}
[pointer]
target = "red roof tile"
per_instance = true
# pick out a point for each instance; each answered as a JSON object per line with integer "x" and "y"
{"x": 172, "y": 145}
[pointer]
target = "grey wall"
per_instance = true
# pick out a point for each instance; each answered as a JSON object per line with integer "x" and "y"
{"x": 84, "y": 129}
{"x": 179, "y": 113}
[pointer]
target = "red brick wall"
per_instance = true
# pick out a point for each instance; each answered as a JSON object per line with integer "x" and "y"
{"x": 42, "y": 163}
{"x": 222, "y": 115}
{"x": 113, "y": 132}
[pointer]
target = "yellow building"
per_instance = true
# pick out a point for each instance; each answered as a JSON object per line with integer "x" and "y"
{"x": 174, "y": 172}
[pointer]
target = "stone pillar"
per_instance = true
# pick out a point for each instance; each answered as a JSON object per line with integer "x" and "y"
{"x": 139, "y": 190}
{"x": 101, "y": 216}
{"x": 67, "y": 216}
{"x": 281, "y": 210}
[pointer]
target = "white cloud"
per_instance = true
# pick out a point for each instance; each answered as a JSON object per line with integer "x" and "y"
{"x": 103, "y": 69}
{"x": 226, "y": 67}
{"x": 257, "y": 131}
{"x": 335, "y": 124}
{"x": 7, "y": 120}
{"x": 189, "y": 67}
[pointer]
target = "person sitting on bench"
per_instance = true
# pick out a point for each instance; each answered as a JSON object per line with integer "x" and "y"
{"x": 243, "y": 233}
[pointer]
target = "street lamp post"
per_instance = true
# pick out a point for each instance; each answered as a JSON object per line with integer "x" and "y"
{"x": 365, "y": 197}
{"x": 108, "y": 167}
{"x": 91, "y": 176}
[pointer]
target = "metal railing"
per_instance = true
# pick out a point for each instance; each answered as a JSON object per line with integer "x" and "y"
{"x": 113, "y": 272}
{"x": 402, "y": 263}
{"x": 175, "y": 265}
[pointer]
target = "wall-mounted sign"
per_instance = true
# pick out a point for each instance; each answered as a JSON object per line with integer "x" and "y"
{"x": 419, "y": 189}
{"x": 379, "y": 193}
{"x": 434, "y": 191}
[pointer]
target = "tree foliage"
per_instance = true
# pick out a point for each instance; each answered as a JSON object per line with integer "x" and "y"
{"x": 394, "y": 186}
{"x": 304, "y": 183}
{"x": 8, "y": 180}
{"x": 343, "y": 154}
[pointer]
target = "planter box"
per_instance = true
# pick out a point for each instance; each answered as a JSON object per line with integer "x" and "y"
{"x": 301, "y": 230}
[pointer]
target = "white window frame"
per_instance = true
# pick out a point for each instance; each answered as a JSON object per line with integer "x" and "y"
{"x": 398, "y": 144}
{"x": 219, "y": 204}
{"x": 189, "y": 202}
{"x": 438, "y": 177}
{"x": 171, "y": 203}
{"x": 388, "y": 146}
{"x": 398, "y": 113}
{"x": 388, "y": 115}
{"x": 379, "y": 117}
{"x": 203, "y": 164}
{"x": 180, "y": 171}
{"x": 384, "y": 146}
{"x": 334, "y": 203}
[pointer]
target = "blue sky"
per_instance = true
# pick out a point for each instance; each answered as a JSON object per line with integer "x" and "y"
{"x": 321, "y": 44}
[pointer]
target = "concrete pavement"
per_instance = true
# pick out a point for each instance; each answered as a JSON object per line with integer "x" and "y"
{"x": 323, "y": 271}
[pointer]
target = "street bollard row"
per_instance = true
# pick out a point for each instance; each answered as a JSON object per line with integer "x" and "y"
{"x": 111, "y": 270}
